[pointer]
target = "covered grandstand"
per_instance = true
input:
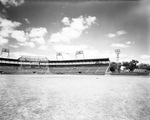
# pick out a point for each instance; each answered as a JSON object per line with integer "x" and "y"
{"x": 42, "y": 65}
{"x": 82, "y": 66}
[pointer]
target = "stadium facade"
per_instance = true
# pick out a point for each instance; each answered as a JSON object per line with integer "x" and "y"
{"x": 42, "y": 65}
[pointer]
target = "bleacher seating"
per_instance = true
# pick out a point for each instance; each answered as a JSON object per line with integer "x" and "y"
{"x": 79, "y": 69}
{"x": 31, "y": 65}
{"x": 8, "y": 69}
{"x": 91, "y": 70}
{"x": 23, "y": 70}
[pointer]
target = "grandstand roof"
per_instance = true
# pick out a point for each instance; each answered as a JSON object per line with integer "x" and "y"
{"x": 33, "y": 59}
{"x": 44, "y": 59}
{"x": 81, "y": 60}
{"x": 8, "y": 59}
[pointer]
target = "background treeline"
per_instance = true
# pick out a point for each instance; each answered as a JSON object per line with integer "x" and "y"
{"x": 128, "y": 66}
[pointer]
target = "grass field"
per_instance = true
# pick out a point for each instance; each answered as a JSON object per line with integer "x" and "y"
{"x": 70, "y": 97}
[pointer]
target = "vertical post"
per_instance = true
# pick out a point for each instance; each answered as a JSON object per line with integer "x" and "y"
{"x": 117, "y": 51}
{"x": 83, "y": 55}
{"x": 39, "y": 64}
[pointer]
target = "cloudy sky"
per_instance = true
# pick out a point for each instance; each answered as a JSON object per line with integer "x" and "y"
{"x": 34, "y": 27}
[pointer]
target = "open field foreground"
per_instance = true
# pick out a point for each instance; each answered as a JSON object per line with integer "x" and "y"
{"x": 70, "y": 97}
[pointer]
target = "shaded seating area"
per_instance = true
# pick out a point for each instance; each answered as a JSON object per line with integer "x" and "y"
{"x": 8, "y": 69}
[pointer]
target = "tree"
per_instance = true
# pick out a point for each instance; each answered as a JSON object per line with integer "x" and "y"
{"x": 144, "y": 66}
{"x": 132, "y": 65}
{"x": 119, "y": 67}
{"x": 113, "y": 66}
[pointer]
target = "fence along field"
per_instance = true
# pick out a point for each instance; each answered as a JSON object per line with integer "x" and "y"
{"x": 73, "y": 97}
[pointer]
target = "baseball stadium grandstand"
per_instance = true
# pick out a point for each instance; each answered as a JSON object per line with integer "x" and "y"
{"x": 42, "y": 65}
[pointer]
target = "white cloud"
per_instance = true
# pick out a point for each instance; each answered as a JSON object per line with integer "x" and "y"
{"x": 36, "y": 35}
{"x": 3, "y": 41}
{"x": 4, "y": 23}
{"x": 8, "y": 30}
{"x": 79, "y": 23}
{"x": 128, "y": 43}
{"x": 121, "y": 32}
{"x": 15, "y": 3}
{"x": 69, "y": 48}
{"x": 111, "y": 35}
{"x": 90, "y": 20}
{"x": 55, "y": 37}
{"x": 145, "y": 59}
{"x": 7, "y": 27}
{"x": 66, "y": 21}
{"x": 68, "y": 34}
{"x": 118, "y": 33}
{"x": 73, "y": 30}
{"x": 37, "y": 32}
{"x": 38, "y": 40}
{"x": 43, "y": 47}
{"x": 120, "y": 45}
{"x": 19, "y": 35}
{"x": 14, "y": 46}
{"x": 145, "y": 56}
{"x": 29, "y": 44}
{"x": 5, "y": 32}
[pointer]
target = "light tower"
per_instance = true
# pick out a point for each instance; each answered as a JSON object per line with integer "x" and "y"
{"x": 117, "y": 51}
{"x": 5, "y": 51}
{"x": 59, "y": 54}
{"x": 79, "y": 53}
